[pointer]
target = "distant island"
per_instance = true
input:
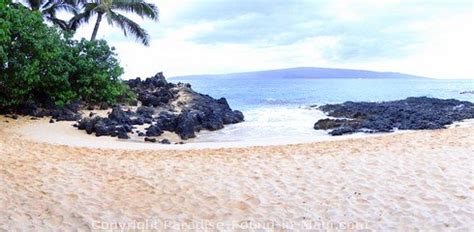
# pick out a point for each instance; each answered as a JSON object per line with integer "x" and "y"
{"x": 309, "y": 73}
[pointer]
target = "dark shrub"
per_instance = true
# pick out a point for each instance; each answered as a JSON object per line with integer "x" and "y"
{"x": 40, "y": 65}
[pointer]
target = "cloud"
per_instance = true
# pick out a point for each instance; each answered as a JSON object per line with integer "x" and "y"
{"x": 367, "y": 29}
{"x": 178, "y": 57}
{"x": 216, "y": 36}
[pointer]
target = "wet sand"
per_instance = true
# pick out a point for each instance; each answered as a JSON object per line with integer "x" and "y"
{"x": 63, "y": 133}
{"x": 416, "y": 180}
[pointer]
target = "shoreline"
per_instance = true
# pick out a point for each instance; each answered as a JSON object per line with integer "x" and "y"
{"x": 63, "y": 133}
{"x": 417, "y": 180}
{"x": 145, "y": 127}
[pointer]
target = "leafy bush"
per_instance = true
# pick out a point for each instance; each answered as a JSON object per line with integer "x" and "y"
{"x": 35, "y": 67}
{"x": 4, "y": 36}
{"x": 96, "y": 68}
{"x": 41, "y": 65}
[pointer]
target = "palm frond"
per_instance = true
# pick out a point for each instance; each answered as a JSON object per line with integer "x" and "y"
{"x": 84, "y": 16}
{"x": 58, "y": 22}
{"x": 74, "y": 2}
{"x": 128, "y": 26}
{"x": 139, "y": 7}
{"x": 47, "y": 4}
{"x": 34, "y": 4}
{"x": 67, "y": 7}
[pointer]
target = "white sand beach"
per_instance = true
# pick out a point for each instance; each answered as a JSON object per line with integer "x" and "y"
{"x": 404, "y": 181}
{"x": 63, "y": 133}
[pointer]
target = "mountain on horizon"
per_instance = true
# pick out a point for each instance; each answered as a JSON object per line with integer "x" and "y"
{"x": 308, "y": 73}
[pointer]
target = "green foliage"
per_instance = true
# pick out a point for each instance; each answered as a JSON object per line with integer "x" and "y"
{"x": 35, "y": 66}
{"x": 39, "y": 64}
{"x": 4, "y": 33}
{"x": 96, "y": 68}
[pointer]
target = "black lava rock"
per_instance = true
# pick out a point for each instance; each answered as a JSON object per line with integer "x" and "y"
{"x": 165, "y": 141}
{"x": 120, "y": 116}
{"x": 148, "y": 121}
{"x": 326, "y": 124}
{"x": 192, "y": 111}
{"x": 138, "y": 121}
{"x": 30, "y": 109}
{"x": 145, "y": 111}
{"x": 105, "y": 126}
{"x": 65, "y": 114}
{"x": 180, "y": 109}
{"x": 153, "y": 140}
{"x": 167, "y": 121}
{"x": 189, "y": 122}
{"x": 122, "y": 134}
{"x": 68, "y": 112}
{"x": 413, "y": 113}
{"x": 160, "y": 97}
{"x": 101, "y": 128}
{"x": 342, "y": 130}
{"x": 154, "y": 130}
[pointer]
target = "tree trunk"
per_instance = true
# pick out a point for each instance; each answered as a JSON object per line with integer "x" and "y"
{"x": 96, "y": 27}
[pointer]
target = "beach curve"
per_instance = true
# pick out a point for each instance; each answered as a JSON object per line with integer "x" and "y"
{"x": 416, "y": 180}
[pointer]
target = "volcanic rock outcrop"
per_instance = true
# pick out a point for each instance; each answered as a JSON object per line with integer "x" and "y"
{"x": 413, "y": 113}
{"x": 164, "y": 106}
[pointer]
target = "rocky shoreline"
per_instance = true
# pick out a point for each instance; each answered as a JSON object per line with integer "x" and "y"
{"x": 160, "y": 106}
{"x": 69, "y": 112}
{"x": 413, "y": 113}
{"x": 163, "y": 106}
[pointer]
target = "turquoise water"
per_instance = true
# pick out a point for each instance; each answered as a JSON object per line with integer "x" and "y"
{"x": 253, "y": 93}
{"x": 279, "y": 109}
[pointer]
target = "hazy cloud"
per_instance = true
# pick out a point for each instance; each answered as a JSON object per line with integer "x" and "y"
{"x": 371, "y": 34}
{"x": 365, "y": 31}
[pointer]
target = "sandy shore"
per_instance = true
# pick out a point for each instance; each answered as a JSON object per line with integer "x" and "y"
{"x": 417, "y": 180}
{"x": 63, "y": 133}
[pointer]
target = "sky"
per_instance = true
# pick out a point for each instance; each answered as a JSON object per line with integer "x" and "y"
{"x": 427, "y": 38}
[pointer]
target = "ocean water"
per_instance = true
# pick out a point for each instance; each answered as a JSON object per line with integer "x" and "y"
{"x": 279, "y": 109}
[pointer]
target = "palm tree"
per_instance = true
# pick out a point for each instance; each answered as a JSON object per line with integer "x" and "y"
{"x": 49, "y": 8}
{"x": 110, "y": 9}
